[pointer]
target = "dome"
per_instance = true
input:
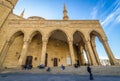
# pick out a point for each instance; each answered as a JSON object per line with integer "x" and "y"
{"x": 35, "y": 18}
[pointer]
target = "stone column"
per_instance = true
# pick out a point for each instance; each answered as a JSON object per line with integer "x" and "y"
{"x": 71, "y": 52}
{"x": 4, "y": 51}
{"x": 44, "y": 46}
{"x": 90, "y": 51}
{"x": 95, "y": 52}
{"x": 109, "y": 52}
{"x": 24, "y": 52}
{"x": 82, "y": 55}
{"x": 87, "y": 54}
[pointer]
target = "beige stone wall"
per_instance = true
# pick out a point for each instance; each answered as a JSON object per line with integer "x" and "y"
{"x": 5, "y": 10}
{"x": 35, "y": 50}
{"x": 11, "y": 25}
{"x": 57, "y": 49}
{"x": 13, "y": 54}
{"x": 46, "y": 27}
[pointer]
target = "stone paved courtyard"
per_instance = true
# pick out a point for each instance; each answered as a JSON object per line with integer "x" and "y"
{"x": 53, "y": 77}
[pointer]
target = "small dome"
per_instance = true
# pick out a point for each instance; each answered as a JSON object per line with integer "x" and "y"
{"x": 35, "y": 18}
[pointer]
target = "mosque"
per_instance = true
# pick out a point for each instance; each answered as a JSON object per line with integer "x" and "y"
{"x": 36, "y": 40}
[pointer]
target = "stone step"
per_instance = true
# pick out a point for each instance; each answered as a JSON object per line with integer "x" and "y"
{"x": 96, "y": 70}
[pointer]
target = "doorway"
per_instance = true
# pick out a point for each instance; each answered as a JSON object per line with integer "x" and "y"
{"x": 46, "y": 58}
{"x": 55, "y": 62}
{"x": 29, "y": 60}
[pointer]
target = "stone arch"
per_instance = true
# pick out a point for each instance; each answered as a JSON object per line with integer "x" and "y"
{"x": 34, "y": 33}
{"x": 51, "y": 32}
{"x": 81, "y": 34}
{"x": 57, "y": 48}
{"x": 79, "y": 46}
{"x": 97, "y": 34}
{"x": 12, "y": 50}
{"x": 15, "y": 34}
{"x": 35, "y": 48}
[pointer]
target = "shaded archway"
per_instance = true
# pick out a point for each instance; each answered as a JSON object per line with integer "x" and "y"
{"x": 79, "y": 47}
{"x": 34, "y": 49}
{"x": 58, "y": 49}
{"x": 97, "y": 45}
{"x": 13, "y": 50}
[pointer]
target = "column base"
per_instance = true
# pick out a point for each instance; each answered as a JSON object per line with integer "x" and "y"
{"x": 94, "y": 64}
{"x": 117, "y": 62}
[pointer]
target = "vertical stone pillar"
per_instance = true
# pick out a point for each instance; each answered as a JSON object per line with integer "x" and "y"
{"x": 4, "y": 51}
{"x": 87, "y": 54}
{"x": 72, "y": 52}
{"x": 95, "y": 52}
{"x": 44, "y": 46}
{"x": 24, "y": 52}
{"x": 109, "y": 52}
{"x": 82, "y": 55}
{"x": 90, "y": 51}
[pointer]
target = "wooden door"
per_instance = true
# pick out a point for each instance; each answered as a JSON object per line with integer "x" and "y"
{"x": 55, "y": 62}
{"x": 46, "y": 58}
{"x": 29, "y": 60}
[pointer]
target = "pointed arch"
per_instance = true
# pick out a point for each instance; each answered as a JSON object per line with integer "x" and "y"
{"x": 34, "y": 33}
{"x": 15, "y": 34}
{"x": 93, "y": 35}
{"x": 81, "y": 34}
{"x": 78, "y": 46}
{"x": 35, "y": 48}
{"x": 53, "y": 31}
{"x": 12, "y": 49}
{"x": 58, "y": 43}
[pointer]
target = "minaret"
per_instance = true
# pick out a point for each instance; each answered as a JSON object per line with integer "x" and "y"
{"x": 22, "y": 14}
{"x": 6, "y": 7}
{"x": 65, "y": 16}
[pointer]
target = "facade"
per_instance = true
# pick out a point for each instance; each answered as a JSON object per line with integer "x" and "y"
{"x": 50, "y": 42}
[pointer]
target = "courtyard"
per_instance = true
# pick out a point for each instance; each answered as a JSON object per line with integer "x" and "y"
{"x": 53, "y": 77}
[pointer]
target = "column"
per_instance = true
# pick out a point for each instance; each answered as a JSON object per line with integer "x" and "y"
{"x": 24, "y": 52}
{"x": 109, "y": 52}
{"x": 95, "y": 51}
{"x": 87, "y": 54}
{"x": 90, "y": 51}
{"x": 82, "y": 56}
{"x": 4, "y": 51}
{"x": 44, "y": 46}
{"x": 72, "y": 52}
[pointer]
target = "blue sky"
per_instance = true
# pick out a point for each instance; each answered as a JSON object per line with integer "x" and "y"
{"x": 106, "y": 11}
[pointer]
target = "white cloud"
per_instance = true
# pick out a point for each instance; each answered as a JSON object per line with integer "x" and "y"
{"x": 118, "y": 19}
{"x": 108, "y": 19}
{"x": 117, "y": 4}
{"x": 96, "y": 9}
{"x": 113, "y": 16}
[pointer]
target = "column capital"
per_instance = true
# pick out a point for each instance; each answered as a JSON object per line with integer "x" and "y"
{"x": 44, "y": 40}
{"x": 26, "y": 40}
{"x": 87, "y": 41}
{"x": 105, "y": 40}
{"x": 70, "y": 40}
{"x": 93, "y": 44}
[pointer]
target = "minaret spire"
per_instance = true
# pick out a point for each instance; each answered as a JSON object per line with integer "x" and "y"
{"x": 22, "y": 14}
{"x": 65, "y": 15}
